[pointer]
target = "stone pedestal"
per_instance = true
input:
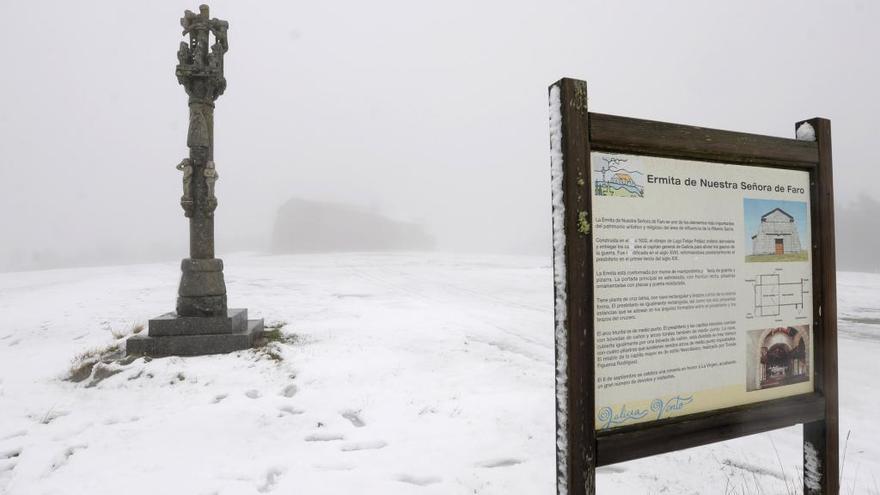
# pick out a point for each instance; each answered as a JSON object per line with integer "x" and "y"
{"x": 174, "y": 335}
{"x": 202, "y": 289}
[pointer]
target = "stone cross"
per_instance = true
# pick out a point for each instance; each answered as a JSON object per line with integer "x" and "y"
{"x": 202, "y": 323}
{"x": 200, "y": 71}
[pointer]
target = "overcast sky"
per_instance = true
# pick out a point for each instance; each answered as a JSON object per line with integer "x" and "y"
{"x": 434, "y": 112}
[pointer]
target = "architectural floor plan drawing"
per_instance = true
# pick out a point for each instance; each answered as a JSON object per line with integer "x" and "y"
{"x": 772, "y": 294}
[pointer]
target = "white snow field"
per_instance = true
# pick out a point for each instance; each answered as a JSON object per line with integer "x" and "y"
{"x": 400, "y": 374}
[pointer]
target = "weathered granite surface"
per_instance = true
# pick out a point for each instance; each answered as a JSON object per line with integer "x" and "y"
{"x": 172, "y": 324}
{"x": 202, "y": 290}
{"x": 195, "y": 345}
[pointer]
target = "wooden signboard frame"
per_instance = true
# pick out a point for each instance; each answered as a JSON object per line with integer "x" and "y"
{"x": 585, "y": 447}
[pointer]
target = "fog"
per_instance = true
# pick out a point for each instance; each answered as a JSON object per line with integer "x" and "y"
{"x": 428, "y": 113}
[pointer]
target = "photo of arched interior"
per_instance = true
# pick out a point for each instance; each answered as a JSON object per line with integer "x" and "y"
{"x": 778, "y": 356}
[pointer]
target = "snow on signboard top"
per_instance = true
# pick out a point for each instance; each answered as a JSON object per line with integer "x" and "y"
{"x": 398, "y": 373}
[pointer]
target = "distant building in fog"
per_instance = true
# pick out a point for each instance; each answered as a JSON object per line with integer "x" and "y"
{"x": 312, "y": 226}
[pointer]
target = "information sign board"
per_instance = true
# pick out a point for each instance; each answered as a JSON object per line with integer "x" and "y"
{"x": 695, "y": 289}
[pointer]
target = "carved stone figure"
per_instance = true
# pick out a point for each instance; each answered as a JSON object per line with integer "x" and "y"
{"x": 186, "y": 201}
{"x": 201, "y": 73}
{"x": 211, "y": 177}
{"x": 198, "y": 134}
{"x": 183, "y": 54}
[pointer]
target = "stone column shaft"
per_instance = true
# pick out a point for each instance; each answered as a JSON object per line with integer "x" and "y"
{"x": 201, "y": 144}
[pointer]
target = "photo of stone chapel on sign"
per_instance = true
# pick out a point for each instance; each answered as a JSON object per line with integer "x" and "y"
{"x": 776, "y": 230}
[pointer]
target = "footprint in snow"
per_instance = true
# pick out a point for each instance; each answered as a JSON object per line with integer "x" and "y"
{"x": 65, "y": 456}
{"x": 115, "y": 420}
{"x": 354, "y": 417}
{"x": 218, "y": 398}
{"x": 9, "y": 458}
{"x": 10, "y": 453}
{"x": 271, "y": 480}
{"x": 14, "y": 434}
{"x": 289, "y": 391}
{"x": 289, "y": 410}
{"x": 418, "y": 480}
{"x": 253, "y": 394}
{"x": 500, "y": 462}
{"x": 135, "y": 375}
{"x": 324, "y": 437}
{"x": 368, "y": 445}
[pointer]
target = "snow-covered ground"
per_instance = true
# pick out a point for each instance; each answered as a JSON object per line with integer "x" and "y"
{"x": 404, "y": 373}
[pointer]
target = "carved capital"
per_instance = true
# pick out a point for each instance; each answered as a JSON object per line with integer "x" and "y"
{"x": 200, "y": 65}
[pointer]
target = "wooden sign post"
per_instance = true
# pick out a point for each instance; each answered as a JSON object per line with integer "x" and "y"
{"x": 695, "y": 289}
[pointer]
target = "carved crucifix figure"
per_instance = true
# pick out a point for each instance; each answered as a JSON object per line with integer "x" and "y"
{"x": 186, "y": 201}
{"x": 211, "y": 177}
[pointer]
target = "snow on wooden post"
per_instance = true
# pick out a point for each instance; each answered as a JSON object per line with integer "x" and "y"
{"x": 573, "y": 272}
{"x": 694, "y": 278}
{"x": 821, "y": 437}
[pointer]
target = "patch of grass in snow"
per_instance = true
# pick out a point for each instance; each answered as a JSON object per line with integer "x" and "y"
{"x": 52, "y": 415}
{"x": 751, "y": 479}
{"x": 134, "y": 330}
{"x": 98, "y": 363}
{"x": 273, "y": 339}
{"x": 83, "y": 363}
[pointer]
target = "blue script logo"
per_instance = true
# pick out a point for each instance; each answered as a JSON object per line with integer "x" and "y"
{"x": 608, "y": 417}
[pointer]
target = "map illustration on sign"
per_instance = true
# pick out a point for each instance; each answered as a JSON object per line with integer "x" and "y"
{"x": 772, "y": 294}
{"x": 612, "y": 177}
